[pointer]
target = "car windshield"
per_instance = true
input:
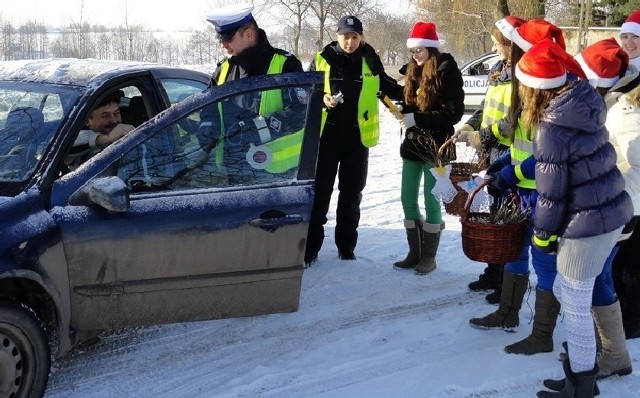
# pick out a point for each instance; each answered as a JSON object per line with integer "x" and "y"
{"x": 30, "y": 116}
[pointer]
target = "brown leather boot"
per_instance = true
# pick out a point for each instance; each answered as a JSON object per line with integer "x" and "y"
{"x": 613, "y": 358}
{"x": 547, "y": 309}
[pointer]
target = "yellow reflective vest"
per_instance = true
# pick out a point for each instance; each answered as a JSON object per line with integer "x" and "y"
{"x": 521, "y": 150}
{"x": 368, "y": 117}
{"x": 284, "y": 151}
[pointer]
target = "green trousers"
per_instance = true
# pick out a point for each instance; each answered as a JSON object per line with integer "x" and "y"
{"x": 412, "y": 172}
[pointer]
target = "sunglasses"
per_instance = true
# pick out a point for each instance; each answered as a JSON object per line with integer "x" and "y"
{"x": 227, "y": 37}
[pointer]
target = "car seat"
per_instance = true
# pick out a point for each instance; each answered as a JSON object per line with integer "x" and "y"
{"x": 137, "y": 111}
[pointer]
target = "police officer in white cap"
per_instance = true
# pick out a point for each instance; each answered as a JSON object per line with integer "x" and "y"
{"x": 247, "y": 47}
{"x": 257, "y": 119}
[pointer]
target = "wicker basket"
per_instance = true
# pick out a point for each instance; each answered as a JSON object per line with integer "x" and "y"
{"x": 460, "y": 171}
{"x": 490, "y": 243}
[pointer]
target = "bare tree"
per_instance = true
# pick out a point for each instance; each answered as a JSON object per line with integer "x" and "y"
{"x": 322, "y": 10}
{"x": 6, "y": 41}
{"x": 296, "y": 10}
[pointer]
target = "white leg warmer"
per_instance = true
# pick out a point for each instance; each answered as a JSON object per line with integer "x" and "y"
{"x": 557, "y": 287}
{"x": 576, "y": 304}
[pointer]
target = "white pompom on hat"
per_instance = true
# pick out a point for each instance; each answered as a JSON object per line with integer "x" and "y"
{"x": 423, "y": 34}
{"x": 545, "y": 66}
{"x": 508, "y": 25}
{"x": 536, "y": 30}
{"x": 631, "y": 24}
{"x": 603, "y": 62}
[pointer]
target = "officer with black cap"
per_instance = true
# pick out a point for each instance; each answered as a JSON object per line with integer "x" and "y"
{"x": 355, "y": 76}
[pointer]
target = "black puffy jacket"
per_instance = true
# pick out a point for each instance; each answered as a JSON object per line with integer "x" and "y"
{"x": 435, "y": 125}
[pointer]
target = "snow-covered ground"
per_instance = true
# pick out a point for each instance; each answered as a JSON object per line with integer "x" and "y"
{"x": 363, "y": 329}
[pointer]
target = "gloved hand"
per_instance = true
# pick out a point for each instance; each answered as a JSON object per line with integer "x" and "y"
{"x": 494, "y": 167}
{"x": 461, "y": 135}
{"x": 407, "y": 121}
{"x": 547, "y": 245}
{"x": 472, "y": 138}
{"x": 499, "y": 186}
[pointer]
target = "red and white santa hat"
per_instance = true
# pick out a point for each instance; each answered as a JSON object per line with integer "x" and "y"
{"x": 603, "y": 62}
{"x": 508, "y": 25}
{"x": 631, "y": 24}
{"x": 545, "y": 66}
{"x": 423, "y": 34}
{"x": 536, "y": 30}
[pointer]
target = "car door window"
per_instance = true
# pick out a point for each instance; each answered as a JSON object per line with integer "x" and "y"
{"x": 237, "y": 141}
{"x": 179, "y": 89}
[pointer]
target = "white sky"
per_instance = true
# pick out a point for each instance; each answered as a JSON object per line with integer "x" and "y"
{"x": 167, "y": 15}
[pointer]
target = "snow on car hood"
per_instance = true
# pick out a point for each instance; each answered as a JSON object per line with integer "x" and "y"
{"x": 62, "y": 70}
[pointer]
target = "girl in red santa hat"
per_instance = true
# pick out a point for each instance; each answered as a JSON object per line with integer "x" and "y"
{"x": 480, "y": 130}
{"x": 605, "y": 64}
{"x": 581, "y": 206}
{"x": 433, "y": 103}
{"x": 630, "y": 37}
{"x": 514, "y": 171}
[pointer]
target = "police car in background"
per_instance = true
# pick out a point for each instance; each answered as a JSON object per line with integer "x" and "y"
{"x": 475, "y": 76}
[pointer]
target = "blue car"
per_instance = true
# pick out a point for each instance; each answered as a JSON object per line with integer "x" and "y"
{"x": 200, "y": 212}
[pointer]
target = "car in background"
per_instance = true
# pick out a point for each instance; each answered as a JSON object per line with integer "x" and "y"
{"x": 475, "y": 75}
{"x": 185, "y": 218}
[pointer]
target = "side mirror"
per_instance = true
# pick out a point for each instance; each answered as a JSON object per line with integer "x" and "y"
{"x": 110, "y": 193}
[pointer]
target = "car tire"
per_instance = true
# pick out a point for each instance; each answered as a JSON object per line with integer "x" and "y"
{"x": 25, "y": 357}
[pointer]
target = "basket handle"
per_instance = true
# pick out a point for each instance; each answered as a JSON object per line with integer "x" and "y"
{"x": 472, "y": 195}
{"x": 444, "y": 145}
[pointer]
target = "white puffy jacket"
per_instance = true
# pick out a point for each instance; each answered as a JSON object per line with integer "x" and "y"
{"x": 623, "y": 123}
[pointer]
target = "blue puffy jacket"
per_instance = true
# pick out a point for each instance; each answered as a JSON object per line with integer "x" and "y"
{"x": 581, "y": 191}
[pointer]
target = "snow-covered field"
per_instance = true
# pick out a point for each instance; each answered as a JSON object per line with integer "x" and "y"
{"x": 363, "y": 330}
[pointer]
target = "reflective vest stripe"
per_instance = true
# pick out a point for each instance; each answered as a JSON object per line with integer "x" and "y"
{"x": 270, "y": 101}
{"x": 521, "y": 150}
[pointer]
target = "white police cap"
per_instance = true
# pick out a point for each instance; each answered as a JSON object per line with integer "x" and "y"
{"x": 229, "y": 19}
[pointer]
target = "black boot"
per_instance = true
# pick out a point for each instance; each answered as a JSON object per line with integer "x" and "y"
{"x": 494, "y": 297}
{"x": 631, "y": 303}
{"x": 574, "y": 385}
{"x": 490, "y": 279}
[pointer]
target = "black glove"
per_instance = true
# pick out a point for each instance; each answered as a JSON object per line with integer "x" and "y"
{"x": 494, "y": 168}
{"x": 499, "y": 186}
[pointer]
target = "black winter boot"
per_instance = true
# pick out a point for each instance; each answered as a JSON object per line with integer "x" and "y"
{"x": 490, "y": 279}
{"x": 574, "y": 385}
{"x": 494, "y": 297}
{"x": 414, "y": 237}
{"x": 631, "y": 302}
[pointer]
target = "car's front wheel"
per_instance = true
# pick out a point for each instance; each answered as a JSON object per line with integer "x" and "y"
{"x": 24, "y": 352}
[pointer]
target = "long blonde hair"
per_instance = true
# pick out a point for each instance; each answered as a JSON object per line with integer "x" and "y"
{"x": 423, "y": 83}
{"x": 534, "y": 103}
{"x": 500, "y": 38}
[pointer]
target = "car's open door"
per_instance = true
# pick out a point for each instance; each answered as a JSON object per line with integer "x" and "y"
{"x": 200, "y": 213}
